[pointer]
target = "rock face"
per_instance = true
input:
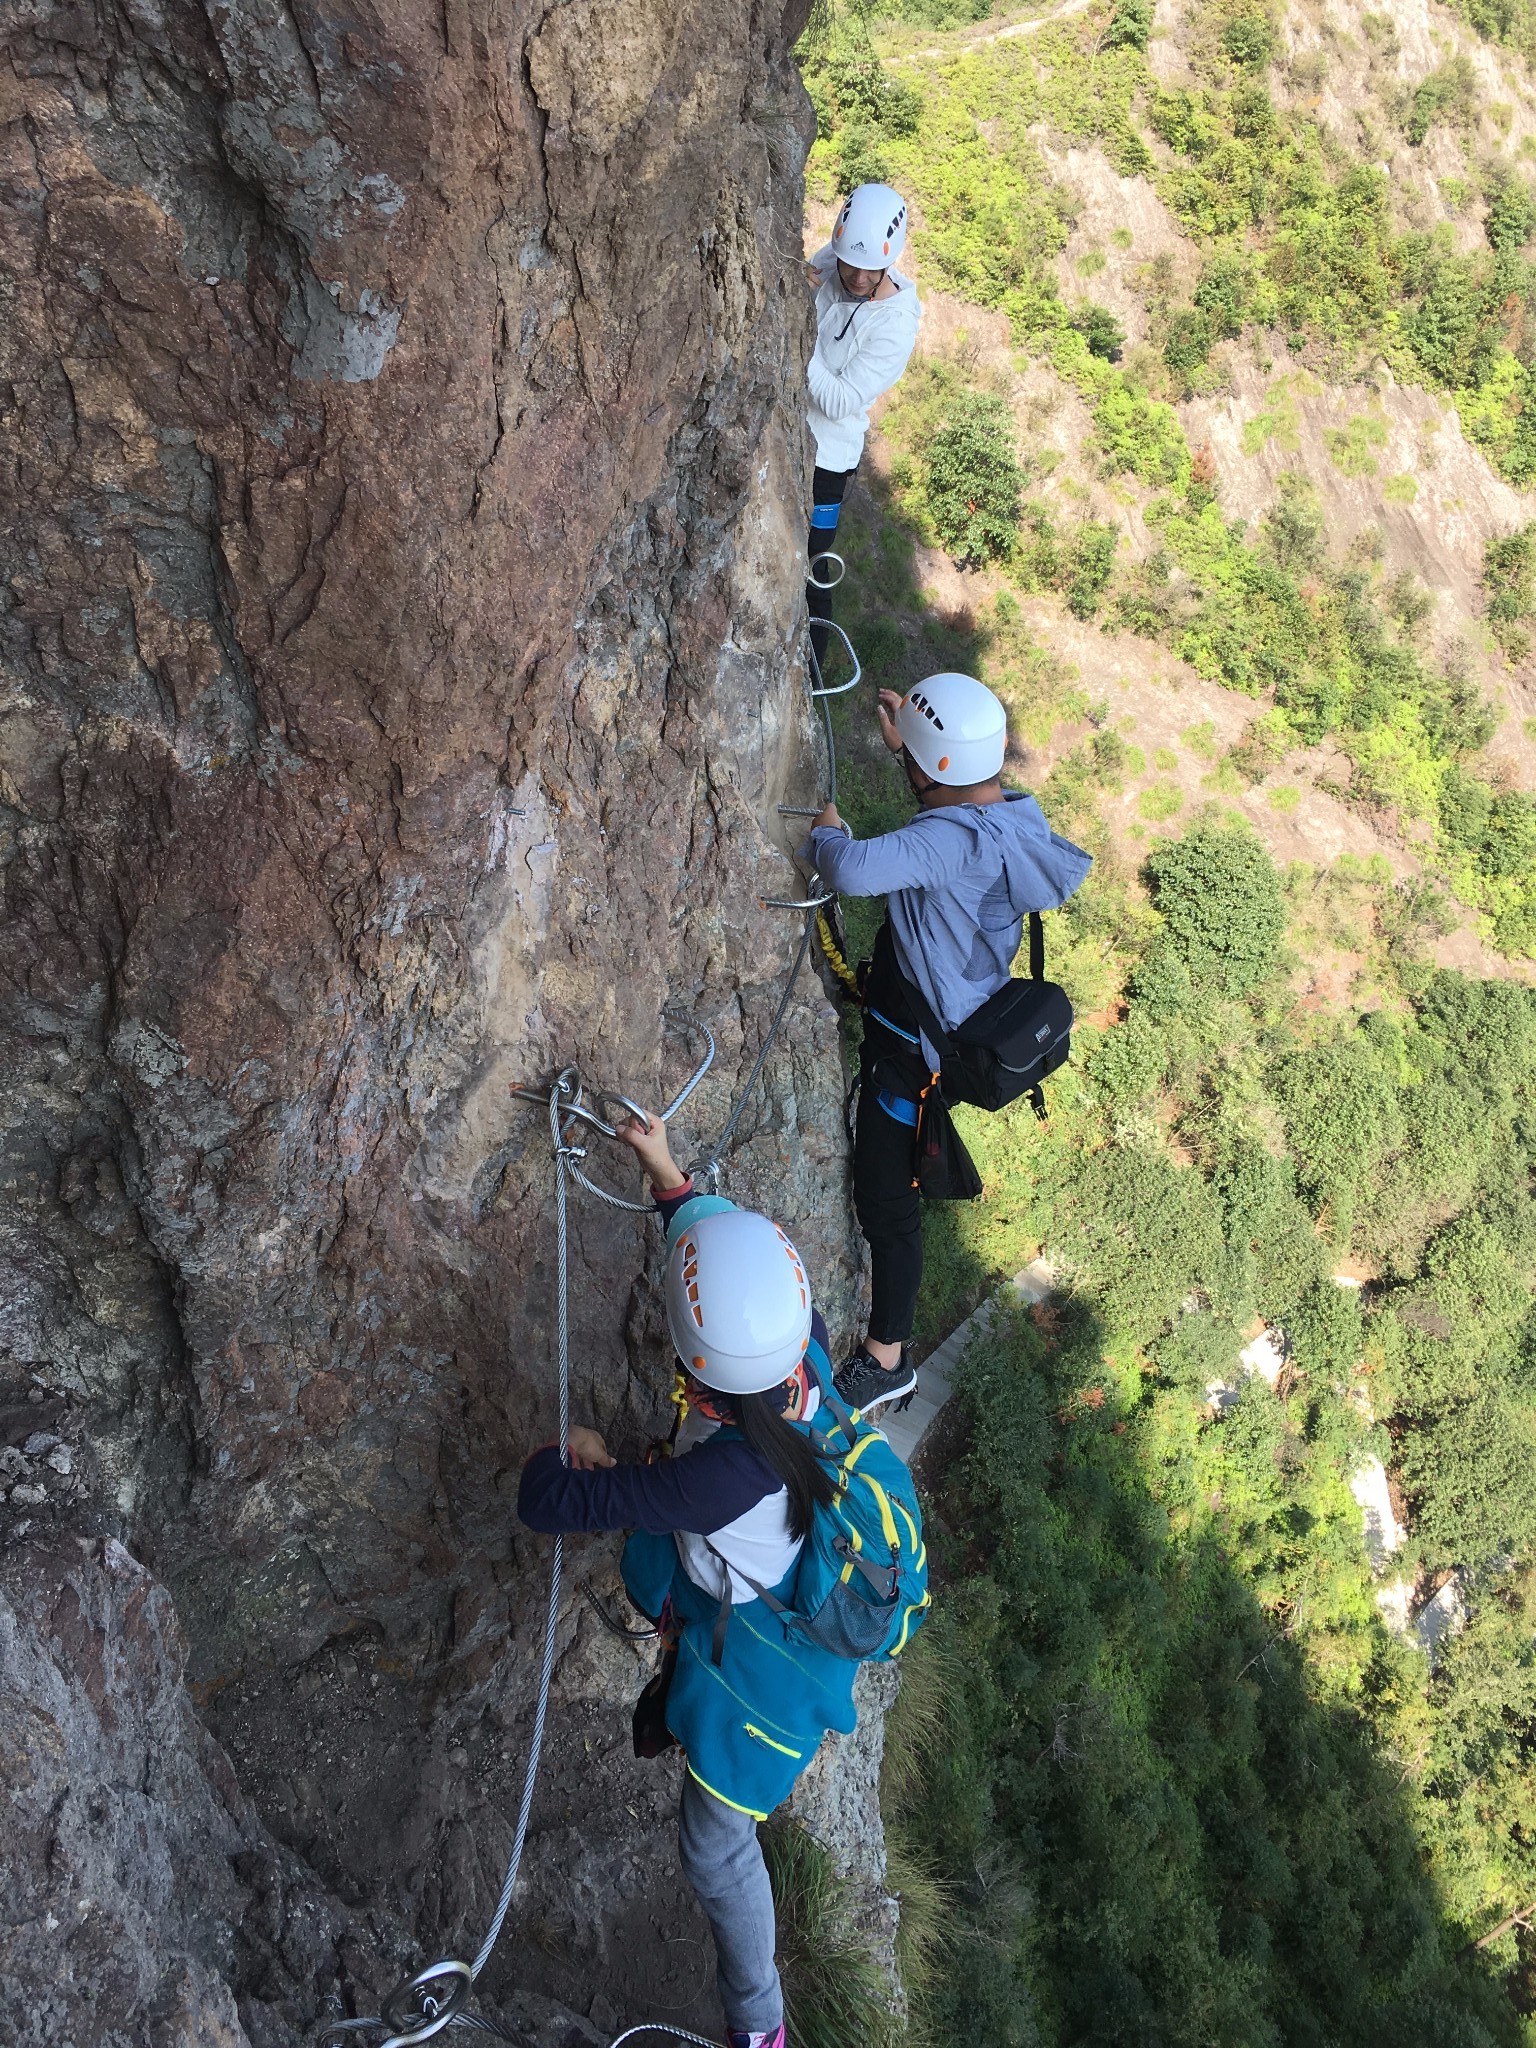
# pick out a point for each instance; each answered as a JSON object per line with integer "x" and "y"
{"x": 401, "y": 667}
{"x": 136, "y": 1873}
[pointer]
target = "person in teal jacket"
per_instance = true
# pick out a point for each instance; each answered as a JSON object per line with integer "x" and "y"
{"x": 712, "y": 1525}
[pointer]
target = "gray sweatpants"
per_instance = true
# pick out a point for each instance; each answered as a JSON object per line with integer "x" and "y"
{"x": 724, "y": 1864}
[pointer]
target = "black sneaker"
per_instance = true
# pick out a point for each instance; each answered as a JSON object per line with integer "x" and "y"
{"x": 865, "y": 1384}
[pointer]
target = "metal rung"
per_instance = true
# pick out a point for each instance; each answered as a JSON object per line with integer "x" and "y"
{"x": 833, "y": 627}
{"x": 815, "y": 581}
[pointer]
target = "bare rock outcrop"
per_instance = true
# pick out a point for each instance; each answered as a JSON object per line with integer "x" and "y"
{"x": 136, "y": 1872}
{"x": 399, "y": 669}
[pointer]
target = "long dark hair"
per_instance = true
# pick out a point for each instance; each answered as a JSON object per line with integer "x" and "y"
{"x": 784, "y": 1448}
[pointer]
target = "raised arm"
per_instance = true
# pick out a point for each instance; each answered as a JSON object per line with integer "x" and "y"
{"x": 916, "y": 856}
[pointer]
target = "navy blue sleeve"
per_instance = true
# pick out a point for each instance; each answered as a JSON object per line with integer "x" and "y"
{"x": 667, "y": 1205}
{"x": 700, "y": 1491}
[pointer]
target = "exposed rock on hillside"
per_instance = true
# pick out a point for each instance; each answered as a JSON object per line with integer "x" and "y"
{"x": 399, "y": 678}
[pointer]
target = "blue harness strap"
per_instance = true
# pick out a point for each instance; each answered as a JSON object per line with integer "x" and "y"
{"x": 901, "y": 1107}
{"x": 824, "y": 517}
{"x": 910, "y": 1036}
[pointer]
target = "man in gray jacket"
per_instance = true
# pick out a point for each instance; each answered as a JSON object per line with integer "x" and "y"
{"x": 959, "y": 880}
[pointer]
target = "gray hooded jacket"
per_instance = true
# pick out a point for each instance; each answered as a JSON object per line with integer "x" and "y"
{"x": 958, "y": 882}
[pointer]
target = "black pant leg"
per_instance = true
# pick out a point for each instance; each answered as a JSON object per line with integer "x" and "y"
{"x": 827, "y": 490}
{"x": 885, "y": 1197}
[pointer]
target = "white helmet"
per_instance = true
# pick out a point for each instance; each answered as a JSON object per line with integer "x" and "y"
{"x": 954, "y": 729}
{"x": 871, "y": 231}
{"x": 738, "y": 1302}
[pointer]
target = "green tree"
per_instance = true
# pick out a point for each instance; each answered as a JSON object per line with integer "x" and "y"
{"x": 1453, "y": 330}
{"x": 1130, "y": 25}
{"x": 1187, "y": 343}
{"x": 1448, "y": 94}
{"x": 1509, "y": 588}
{"x": 1102, "y": 332}
{"x": 1220, "y": 901}
{"x": 974, "y": 481}
{"x": 1249, "y": 40}
{"x": 1511, "y": 219}
{"x": 1091, "y": 560}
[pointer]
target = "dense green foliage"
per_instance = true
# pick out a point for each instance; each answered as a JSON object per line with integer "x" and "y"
{"x": 1509, "y": 589}
{"x": 1512, "y": 22}
{"x": 1191, "y": 1788}
{"x": 1220, "y": 902}
{"x": 972, "y": 478}
{"x": 1177, "y": 1724}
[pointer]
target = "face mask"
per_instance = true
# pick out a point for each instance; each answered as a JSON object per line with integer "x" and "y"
{"x": 716, "y": 1407}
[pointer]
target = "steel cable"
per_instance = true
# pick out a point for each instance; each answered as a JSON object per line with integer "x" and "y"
{"x": 711, "y": 1166}
{"x": 563, "y": 1086}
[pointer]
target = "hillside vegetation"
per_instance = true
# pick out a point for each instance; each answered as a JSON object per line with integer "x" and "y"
{"x": 1167, "y": 1774}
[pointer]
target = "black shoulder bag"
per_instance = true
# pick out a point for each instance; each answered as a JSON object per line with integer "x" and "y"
{"x": 1006, "y": 1048}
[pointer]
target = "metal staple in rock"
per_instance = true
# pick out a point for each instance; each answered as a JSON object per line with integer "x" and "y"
{"x": 574, "y": 1152}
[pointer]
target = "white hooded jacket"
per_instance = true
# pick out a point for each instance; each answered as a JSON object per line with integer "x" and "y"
{"x": 861, "y": 350}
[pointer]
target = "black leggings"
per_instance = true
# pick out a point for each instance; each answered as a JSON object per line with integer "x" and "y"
{"x": 885, "y": 1196}
{"x": 827, "y": 488}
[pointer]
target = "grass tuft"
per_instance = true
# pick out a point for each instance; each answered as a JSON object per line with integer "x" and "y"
{"x": 835, "y": 1994}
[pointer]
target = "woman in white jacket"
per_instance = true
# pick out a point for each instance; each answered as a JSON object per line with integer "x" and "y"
{"x": 866, "y": 325}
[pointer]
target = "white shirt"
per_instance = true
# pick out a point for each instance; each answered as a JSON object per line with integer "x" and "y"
{"x": 756, "y": 1546}
{"x": 862, "y": 347}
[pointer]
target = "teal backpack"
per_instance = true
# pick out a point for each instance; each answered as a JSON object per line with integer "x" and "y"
{"x": 861, "y": 1587}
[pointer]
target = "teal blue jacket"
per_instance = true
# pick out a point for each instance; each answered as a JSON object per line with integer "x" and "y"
{"x": 751, "y": 1725}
